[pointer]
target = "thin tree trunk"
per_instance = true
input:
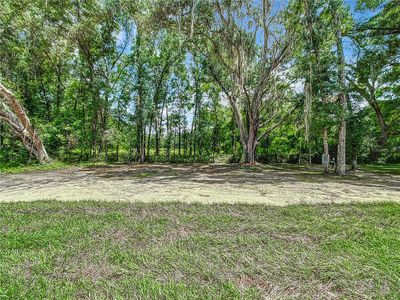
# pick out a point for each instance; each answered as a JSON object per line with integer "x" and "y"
{"x": 234, "y": 144}
{"x": 215, "y": 131}
{"x": 118, "y": 128}
{"x": 149, "y": 135}
{"x": 158, "y": 132}
{"x": 168, "y": 146}
{"x": 12, "y": 112}
{"x": 173, "y": 145}
{"x": 1, "y": 133}
{"x": 59, "y": 90}
{"x": 192, "y": 150}
{"x": 193, "y": 131}
{"x": 143, "y": 143}
{"x": 185, "y": 143}
{"x": 326, "y": 150}
{"x": 139, "y": 103}
{"x": 341, "y": 155}
{"x": 179, "y": 139}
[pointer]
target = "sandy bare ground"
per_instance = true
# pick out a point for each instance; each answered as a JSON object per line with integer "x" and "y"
{"x": 273, "y": 185}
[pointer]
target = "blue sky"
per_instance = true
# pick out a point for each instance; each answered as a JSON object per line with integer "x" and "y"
{"x": 359, "y": 17}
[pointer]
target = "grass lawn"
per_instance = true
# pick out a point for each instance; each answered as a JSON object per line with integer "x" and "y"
{"x": 97, "y": 250}
{"x": 393, "y": 168}
{"x": 34, "y": 166}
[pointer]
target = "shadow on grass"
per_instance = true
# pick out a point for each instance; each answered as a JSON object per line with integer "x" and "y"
{"x": 239, "y": 174}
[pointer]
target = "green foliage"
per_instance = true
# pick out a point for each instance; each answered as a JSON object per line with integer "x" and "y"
{"x": 112, "y": 80}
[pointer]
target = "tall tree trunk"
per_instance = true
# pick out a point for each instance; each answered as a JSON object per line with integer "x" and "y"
{"x": 168, "y": 141}
{"x": 149, "y": 135}
{"x": 59, "y": 87}
{"x": 233, "y": 137}
{"x": 341, "y": 155}
{"x": 156, "y": 135}
{"x": 1, "y": 133}
{"x": 185, "y": 143}
{"x": 143, "y": 143}
{"x": 173, "y": 146}
{"x": 139, "y": 103}
{"x": 326, "y": 150}
{"x": 118, "y": 129}
{"x": 12, "y": 112}
{"x": 94, "y": 134}
{"x": 309, "y": 84}
{"x": 215, "y": 130}
{"x": 179, "y": 139}
{"x": 251, "y": 135}
{"x": 83, "y": 130}
{"x": 192, "y": 150}
{"x": 158, "y": 132}
{"x": 194, "y": 127}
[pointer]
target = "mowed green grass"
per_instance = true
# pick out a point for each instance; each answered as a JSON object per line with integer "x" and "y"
{"x": 97, "y": 250}
{"x": 393, "y": 169}
{"x": 35, "y": 167}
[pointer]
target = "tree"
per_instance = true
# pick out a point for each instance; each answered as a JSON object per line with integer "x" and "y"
{"x": 385, "y": 22}
{"x": 245, "y": 68}
{"x": 374, "y": 76}
{"x": 12, "y": 112}
{"x": 338, "y": 22}
{"x": 188, "y": 80}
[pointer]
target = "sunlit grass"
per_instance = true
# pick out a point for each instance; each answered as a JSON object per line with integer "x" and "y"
{"x": 390, "y": 168}
{"x": 34, "y": 166}
{"x": 96, "y": 250}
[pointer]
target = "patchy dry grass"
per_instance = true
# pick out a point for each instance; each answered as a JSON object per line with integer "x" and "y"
{"x": 216, "y": 183}
{"x": 103, "y": 250}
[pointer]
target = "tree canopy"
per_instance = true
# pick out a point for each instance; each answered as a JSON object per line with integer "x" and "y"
{"x": 200, "y": 80}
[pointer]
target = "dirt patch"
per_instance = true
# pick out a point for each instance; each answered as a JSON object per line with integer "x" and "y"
{"x": 245, "y": 282}
{"x": 199, "y": 183}
{"x": 84, "y": 266}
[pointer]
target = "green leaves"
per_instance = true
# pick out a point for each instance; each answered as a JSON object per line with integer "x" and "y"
{"x": 76, "y": 65}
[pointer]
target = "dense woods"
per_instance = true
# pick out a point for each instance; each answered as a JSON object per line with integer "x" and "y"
{"x": 200, "y": 80}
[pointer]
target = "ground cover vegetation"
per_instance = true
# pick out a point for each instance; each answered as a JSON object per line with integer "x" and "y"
{"x": 115, "y": 250}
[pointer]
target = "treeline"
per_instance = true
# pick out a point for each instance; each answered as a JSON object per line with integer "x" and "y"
{"x": 198, "y": 80}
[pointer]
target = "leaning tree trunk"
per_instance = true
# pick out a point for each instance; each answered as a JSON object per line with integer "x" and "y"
{"x": 12, "y": 112}
{"x": 381, "y": 121}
